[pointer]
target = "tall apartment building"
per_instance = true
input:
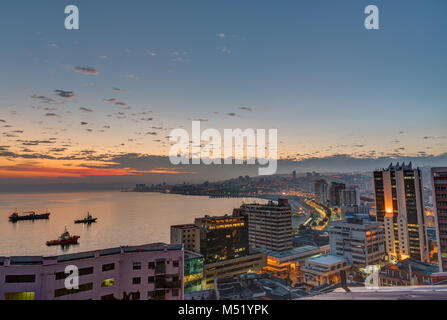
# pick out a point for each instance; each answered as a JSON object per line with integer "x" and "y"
{"x": 439, "y": 189}
{"x": 222, "y": 238}
{"x": 188, "y": 235}
{"x": 400, "y": 206}
{"x": 361, "y": 242}
{"x": 270, "y": 225}
{"x": 321, "y": 191}
{"x": 350, "y": 197}
{"x": 152, "y": 271}
{"x": 335, "y": 193}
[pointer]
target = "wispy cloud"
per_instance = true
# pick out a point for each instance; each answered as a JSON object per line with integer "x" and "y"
{"x": 86, "y": 70}
{"x": 64, "y": 94}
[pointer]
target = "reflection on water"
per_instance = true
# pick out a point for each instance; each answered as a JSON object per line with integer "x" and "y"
{"x": 124, "y": 218}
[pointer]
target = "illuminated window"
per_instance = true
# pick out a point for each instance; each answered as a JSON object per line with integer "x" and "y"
{"x": 19, "y": 296}
{"x": 108, "y": 282}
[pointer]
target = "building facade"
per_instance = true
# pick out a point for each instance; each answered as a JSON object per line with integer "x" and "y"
{"x": 153, "y": 271}
{"x": 400, "y": 206}
{"x": 324, "y": 270}
{"x": 408, "y": 272}
{"x": 186, "y": 234}
{"x": 439, "y": 189}
{"x": 335, "y": 194}
{"x": 248, "y": 264}
{"x": 270, "y": 225}
{"x": 222, "y": 238}
{"x": 361, "y": 242}
{"x": 321, "y": 190}
{"x": 193, "y": 274}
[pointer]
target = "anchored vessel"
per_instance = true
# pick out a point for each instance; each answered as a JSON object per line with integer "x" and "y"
{"x": 65, "y": 239}
{"x": 87, "y": 219}
{"x": 29, "y": 215}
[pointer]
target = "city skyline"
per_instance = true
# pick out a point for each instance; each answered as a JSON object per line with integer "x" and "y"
{"x": 97, "y": 104}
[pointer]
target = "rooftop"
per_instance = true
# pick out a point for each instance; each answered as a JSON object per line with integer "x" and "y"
{"x": 38, "y": 260}
{"x": 327, "y": 259}
{"x": 385, "y": 293}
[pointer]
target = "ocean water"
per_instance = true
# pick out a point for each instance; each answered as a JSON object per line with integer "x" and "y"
{"x": 124, "y": 218}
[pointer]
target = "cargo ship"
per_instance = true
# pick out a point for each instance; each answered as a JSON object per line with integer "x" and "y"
{"x": 87, "y": 219}
{"x": 29, "y": 215}
{"x": 65, "y": 239}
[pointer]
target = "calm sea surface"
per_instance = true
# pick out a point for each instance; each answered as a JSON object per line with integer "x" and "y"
{"x": 124, "y": 218}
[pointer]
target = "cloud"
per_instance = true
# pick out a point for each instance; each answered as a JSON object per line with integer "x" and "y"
{"x": 83, "y": 123}
{"x": 51, "y": 114}
{"x": 53, "y": 45}
{"x": 85, "y": 109}
{"x": 1, "y": 120}
{"x": 103, "y": 57}
{"x": 150, "y": 53}
{"x": 245, "y": 109}
{"x": 221, "y": 35}
{"x": 231, "y": 114}
{"x": 64, "y": 94}
{"x": 225, "y": 50}
{"x": 119, "y": 90}
{"x": 86, "y": 70}
{"x": 42, "y": 99}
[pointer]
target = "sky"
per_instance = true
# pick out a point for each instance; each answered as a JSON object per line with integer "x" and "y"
{"x": 101, "y": 101}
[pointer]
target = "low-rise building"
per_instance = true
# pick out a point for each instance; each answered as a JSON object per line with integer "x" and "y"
{"x": 409, "y": 272}
{"x": 324, "y": 270}
{"x": 247, "y": 264}
{"x": 152, "y": 271}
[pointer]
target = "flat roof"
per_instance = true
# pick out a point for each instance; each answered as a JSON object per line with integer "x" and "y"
{"x": 33, "y": 260}
{"x": 327, "y": 259}
{"x": 184, "y": 226}
{"x": 385, "y": 293}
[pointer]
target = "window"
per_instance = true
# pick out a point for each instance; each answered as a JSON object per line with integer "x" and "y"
{"x": 107, "y": 282}
{"x": 150, "y": 279}
{"x": 19, "y": 296}
{"x": 137, "y": 265}
{"x": 22, "y": 278}
{"x": 108, "y": 267}
{"x": 175, "y": 263}
{"x": 151, "y": 265}
{"x": 175, "y": 292}
{"x": 136, "y": 280}
{"x": 82, "y": 272}
{"x": 64, "y": 291}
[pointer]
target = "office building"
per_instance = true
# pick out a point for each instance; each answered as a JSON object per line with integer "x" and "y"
{"x": 350, "y": 196}
{"x": 321, "y": 191}
{"x": 186, "y": 234}
{"x": 222, "y": 238}
{"x": 400, "y": 206}
{"x": 270, "y": 225}
{"x": 439, "y": 189}
{"x": 361, "y": 242}
{"x": 252, "y": 263}
{"x": 193, "y": 274}
{"x": 335, "y": 194}
{"x": 152, "y": 271}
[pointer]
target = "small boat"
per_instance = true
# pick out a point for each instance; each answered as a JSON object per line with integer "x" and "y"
{"x": 29, "y": 215}
{"x": 87, "y": 219}
{"x": 65, "y": 239}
